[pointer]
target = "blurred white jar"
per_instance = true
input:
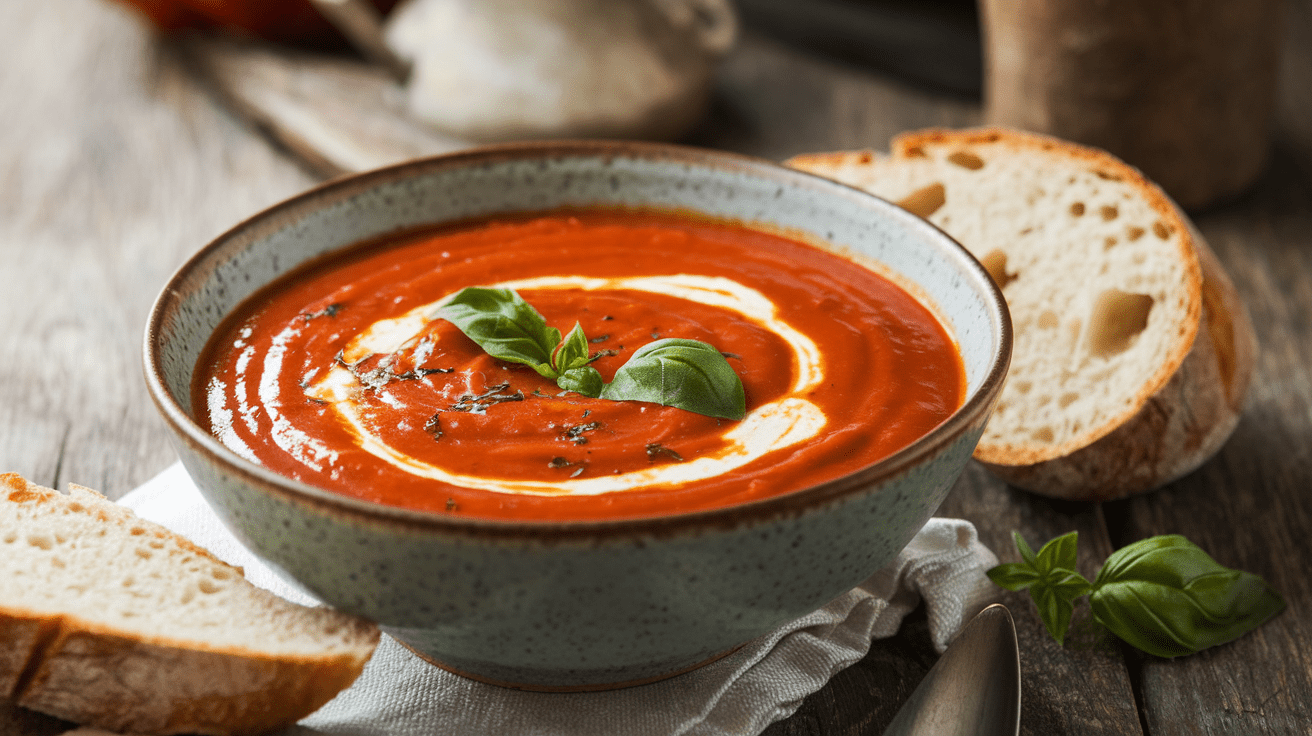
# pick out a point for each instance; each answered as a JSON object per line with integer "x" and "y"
{"x": 495, "y": 70}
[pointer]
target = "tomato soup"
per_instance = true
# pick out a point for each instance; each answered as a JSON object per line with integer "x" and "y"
{"x": 342, "y": 375}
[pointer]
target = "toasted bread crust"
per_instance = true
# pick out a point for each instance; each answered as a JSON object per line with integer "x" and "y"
{"x": 93, "y": 673}
{"x": 1182, "y": 411}
{"x": 1178, "y": 427}
{"x": 96, "y": 677}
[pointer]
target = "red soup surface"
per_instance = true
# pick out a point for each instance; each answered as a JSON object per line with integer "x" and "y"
{"x": 341, "y": 376}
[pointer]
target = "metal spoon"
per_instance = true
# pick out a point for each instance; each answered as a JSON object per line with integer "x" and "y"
{"x": 973, "y": 689}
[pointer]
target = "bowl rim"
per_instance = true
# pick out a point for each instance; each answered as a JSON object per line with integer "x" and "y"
{"x": 791, "y": 503}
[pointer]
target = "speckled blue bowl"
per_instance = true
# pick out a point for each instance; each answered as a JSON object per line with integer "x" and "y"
{"x": 578, "y": 605}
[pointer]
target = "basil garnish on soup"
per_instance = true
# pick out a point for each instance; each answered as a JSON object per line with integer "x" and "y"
{"x": 689, "y": 374}
{"x": 685, "y": 374}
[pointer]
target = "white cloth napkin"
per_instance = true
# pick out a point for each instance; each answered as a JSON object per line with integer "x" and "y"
{"x": 762, "y": 682}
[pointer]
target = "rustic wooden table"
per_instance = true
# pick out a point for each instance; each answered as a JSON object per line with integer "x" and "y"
{"x": 116, "y": 163}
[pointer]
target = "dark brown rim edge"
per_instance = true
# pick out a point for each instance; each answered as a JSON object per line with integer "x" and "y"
{"x": 787, "y": 504}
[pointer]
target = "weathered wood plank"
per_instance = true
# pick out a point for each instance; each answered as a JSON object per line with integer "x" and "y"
{"x": 1084, "y": 686}
{"x": 776, "y": 101}
{"x": 1251, "y": 506}
{"x": 114, "y": 167}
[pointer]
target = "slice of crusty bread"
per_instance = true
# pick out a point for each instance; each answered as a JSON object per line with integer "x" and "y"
{"x": 118, "y": 623}
{"x": 1114, "y": 388}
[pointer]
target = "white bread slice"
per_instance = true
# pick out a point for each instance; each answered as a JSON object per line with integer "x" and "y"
{"x": 1114, "y": 389}
{"x": 118, "y": 623}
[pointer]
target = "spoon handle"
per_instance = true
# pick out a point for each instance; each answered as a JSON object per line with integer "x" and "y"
{"x": 362, "y": 25}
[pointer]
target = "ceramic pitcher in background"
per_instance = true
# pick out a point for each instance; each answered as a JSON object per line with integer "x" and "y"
{"x": 1182, "y": 89}
{"x": 491, "y": 70}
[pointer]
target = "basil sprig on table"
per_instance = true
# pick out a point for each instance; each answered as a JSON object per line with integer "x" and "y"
{"x": 686, "y": 374}
{"x": 1163, "y": 595}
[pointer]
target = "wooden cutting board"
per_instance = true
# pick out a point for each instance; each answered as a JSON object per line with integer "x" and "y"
{"x": 336, "y": 114}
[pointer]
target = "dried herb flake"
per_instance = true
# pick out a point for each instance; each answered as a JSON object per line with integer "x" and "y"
{"x": 655, "y": 450}
{"x": 329, "y": 311}
{"x": 576, "y": 432}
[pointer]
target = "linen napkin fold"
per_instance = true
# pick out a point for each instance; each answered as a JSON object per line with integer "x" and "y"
{"x": 764, "y": 681}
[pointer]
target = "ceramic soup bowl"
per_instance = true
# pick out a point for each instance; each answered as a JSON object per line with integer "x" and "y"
{"x": 555, "y": 605}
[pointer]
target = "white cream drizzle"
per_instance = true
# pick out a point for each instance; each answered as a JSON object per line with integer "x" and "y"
{"x": 782, "y": 423}
{"x": 294, "y": 441}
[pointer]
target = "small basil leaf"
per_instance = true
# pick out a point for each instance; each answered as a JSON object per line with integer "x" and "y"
{"x": 1014, "y": 575}
{"x": 1168, "y": 597}
{"x": 686, "y": 374}
{"x": 1060, "y": 552}
{"x": 1023, "y": 547}
{"x": 1051, "y": 578}
{"x": 585, "y": 380}
{"x": 1055, "y": 597}
{"x": 505, "y": 326}
{"x": 1055, "y": 610}
{"x": 573, "y": 351}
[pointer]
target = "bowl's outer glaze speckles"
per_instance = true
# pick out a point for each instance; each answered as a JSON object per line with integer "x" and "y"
{"x": 553, "y": 605}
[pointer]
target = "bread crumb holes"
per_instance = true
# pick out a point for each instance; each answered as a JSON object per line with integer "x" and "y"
{"x": 1077, "y": 209}
{"x": 41, "y": 541}
{"x": 924, "y": 201}
{"x": 966, "y": 160}
{"x": 1043, "y": 434}
{"x": 1067, "y": 399}
{"x": 995, "y": 262}
{"x": 1116, "y": 320}
{"x": 1109, "y": 212}
{"x": 1048, "y": 319}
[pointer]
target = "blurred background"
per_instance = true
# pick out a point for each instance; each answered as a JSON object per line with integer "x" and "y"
{"x": 135, "y": 131}
{"x": 1185, "y": 91}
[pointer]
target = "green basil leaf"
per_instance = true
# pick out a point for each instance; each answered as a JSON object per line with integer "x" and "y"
{"x": 1014, "y": 575}
{"x": 1055, "y": 596}
{"x": 1060, "y": 552}
{"x": 1055, "y": 610}
{"x": 1023, "y": 547}
{"x": 687, "y": 374}
{"x": 505, "y": 326}
{"x": 585, "y": 380}
{"x": 1051, "y": 578}
{"x": 1168, "y": 597}
{"x": 573, "y": 351}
